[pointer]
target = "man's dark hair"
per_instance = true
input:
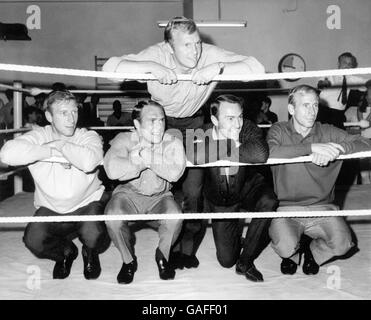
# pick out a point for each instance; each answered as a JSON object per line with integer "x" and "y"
{"x": 58, "y": 96}
{"x": 136, "y": 114}
{"x": 303, "y": 88}
{"x": 349, "y": 55}
{"x": 214, "y": 106}
{"x": 59, "y": 86}
{"x": 116, "y": 104}
{"x": 30, "y": 110}
{"x": 95, "y": 98}
{"x": 9, "y": 94}
{"x": 179, "y": 23}
{"x": 40, "y": 97}
{"x": 268, "y": 100}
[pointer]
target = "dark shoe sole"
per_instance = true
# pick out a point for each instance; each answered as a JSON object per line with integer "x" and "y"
{"x": 248, "y": 276}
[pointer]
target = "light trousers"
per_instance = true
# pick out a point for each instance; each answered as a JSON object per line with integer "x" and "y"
{"x": 331, "y": 235}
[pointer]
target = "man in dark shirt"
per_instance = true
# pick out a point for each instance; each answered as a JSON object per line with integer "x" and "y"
{"x": 265, "y": 116}
{"x": 309, "y": 186}
{"x": 228, "y": 189}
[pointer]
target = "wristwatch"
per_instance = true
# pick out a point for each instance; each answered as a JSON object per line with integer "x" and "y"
{"x": 221, "y": 67}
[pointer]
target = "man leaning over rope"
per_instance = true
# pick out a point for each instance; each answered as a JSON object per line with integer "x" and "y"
{"x": 70, "y": 188}
{"x": 182, "y": 52}
{"x": 309, "y": 186}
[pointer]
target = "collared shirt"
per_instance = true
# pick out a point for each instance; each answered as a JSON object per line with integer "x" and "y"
{"x": 153, "y": 180}
{"x": 332, "y": 95}
{"x": 306, "y": 183}
{"x": 185, "y": 98}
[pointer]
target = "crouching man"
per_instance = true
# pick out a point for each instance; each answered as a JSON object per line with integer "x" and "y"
{"x": 229, "y": 189}
{"x": 309, "y": 186}
{"x": 70, "y": 188}
{"x": 147, "y": 161}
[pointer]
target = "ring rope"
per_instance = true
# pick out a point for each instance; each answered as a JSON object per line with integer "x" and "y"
{"x": 182, "y": 77}
{"x": 346, "y": 124}
{"x": 9, "y": 173}
{"x": 14, "y": 130}
{"x": 187, "y": 216}
{"x": 227, "y": 163}
{"x": 224, "y": 163}
{"x": 247, "y": 77}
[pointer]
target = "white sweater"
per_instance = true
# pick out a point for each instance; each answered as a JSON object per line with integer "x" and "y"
{"x": 58, "y": 188}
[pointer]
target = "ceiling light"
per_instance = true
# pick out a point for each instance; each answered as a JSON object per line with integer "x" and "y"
{"x": 210, "y": 23}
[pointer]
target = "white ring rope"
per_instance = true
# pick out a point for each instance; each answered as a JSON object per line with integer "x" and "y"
{"x": 346, "y": 124}
{"x": 187, "y": 216}
{"x": 32, "y": 91}
{"x": 15, "y": 130}
{"x": 220, "y": 215}
{"x": 226, "y": 163}
{"x": 182, "y": 77}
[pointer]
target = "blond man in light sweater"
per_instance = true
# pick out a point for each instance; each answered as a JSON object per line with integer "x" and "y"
{"x": 68, "y": 188}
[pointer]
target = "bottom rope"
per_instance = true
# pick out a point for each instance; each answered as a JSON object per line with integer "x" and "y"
{"x": 188, "y": 216}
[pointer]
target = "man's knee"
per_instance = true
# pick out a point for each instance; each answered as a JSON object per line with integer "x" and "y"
{"x": 114, "y": 226}
{"x": 94, "y": 235}
{"x": 284, "y": 245}
{"x": 226, "y": 260}
{"x": 173, "y": 225}
{"x": 193, "y": 226}
{"x": 171, "y": 206}
{"x": 341, "y": 244}
{"x": 33, "y": 239}
{"x": 115, "y": 207}
{"x": 267, "y": 202}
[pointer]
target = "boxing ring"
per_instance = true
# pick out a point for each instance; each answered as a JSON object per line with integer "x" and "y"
{"x": 23, "y": 276}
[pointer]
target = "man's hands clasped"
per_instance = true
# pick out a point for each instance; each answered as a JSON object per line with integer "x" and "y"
{"x": 323, "y": 153}
{"x": 199, "y": 77}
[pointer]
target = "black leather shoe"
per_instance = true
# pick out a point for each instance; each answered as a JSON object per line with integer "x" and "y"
{"x": 92, "y": 267}
{"x": 176, "y": 260}
{"x": 165, "y": 270}
{"x": 250, "y": 272}
{"x": 288, "y": 266}
{"x": 190, "y": 261}
{"x": 62, "y": 268}
{"x": 310, "y": 266}
{"x": 126, "y": 274}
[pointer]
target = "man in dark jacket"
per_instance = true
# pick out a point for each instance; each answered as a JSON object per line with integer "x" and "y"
{"x": 228, "y": 189}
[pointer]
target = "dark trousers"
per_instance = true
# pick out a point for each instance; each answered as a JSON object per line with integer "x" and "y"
{"x": 227, "y": 232}
{"x": 53, "y": 240}
{"x": 258, "y": 196}
{"x": 192, "y": 179}
{"x": 191, "y": 184}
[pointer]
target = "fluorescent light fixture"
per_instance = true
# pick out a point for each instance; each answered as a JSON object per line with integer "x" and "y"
{"x": 210, "y": 23}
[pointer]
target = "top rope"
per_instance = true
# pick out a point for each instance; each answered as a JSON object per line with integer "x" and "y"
{"x": 182, "y": 77}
